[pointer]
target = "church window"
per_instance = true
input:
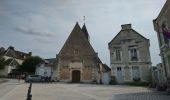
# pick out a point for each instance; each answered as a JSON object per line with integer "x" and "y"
{"x": 87, "y": 67}
{"x": 76, "y": 51}
{"x": 65, "y": 66}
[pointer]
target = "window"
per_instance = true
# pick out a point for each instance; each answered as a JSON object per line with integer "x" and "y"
{"x": 65, "y": 66}
{"x": 119, "y": 68}
{"x": 118, "y": 55}
{"x": 133, "y": 54}
{"x": 76, "y": 51}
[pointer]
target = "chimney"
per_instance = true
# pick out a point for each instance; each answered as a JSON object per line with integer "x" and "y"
{"x": 30, "y": 53}
{"x": 2, "y": 49}
{"x": 126, "y": 26}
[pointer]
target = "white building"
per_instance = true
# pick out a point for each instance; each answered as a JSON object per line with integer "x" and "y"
{"x": 47, "y": 68}
{"x": 129, "y": 56}
{"x": 14, "y": 58}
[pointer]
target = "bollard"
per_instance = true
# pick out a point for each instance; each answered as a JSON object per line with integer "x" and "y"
{"x": 29, "y": 96}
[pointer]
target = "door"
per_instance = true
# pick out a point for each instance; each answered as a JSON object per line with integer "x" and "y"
{"x": 105, "y": 78}
{"x": 76, "y": 76}
{"x": 119, "y": 75}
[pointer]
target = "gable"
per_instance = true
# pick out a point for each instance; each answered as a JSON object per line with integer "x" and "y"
{"x": 77, "y": 42}
{"x": 10, "y": 53}
{"x": 127, "y": 35}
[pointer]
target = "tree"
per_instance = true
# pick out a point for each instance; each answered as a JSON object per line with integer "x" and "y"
{"x": 2, "y": 63}
{"x": 30, "y": 64}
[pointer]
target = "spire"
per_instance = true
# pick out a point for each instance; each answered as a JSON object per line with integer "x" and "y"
{"x": 76, "y": 27}
{"x": 84, "y": 29}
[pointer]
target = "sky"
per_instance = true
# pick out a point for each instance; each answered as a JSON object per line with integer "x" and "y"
{"x": 42, "y": 26}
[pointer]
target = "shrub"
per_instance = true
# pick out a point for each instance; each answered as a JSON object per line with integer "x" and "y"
{"x": 152, "y": 85}
{"x": 112, "y": 80}
{"x": 161, "y": 87}
{"x": 168, "y": 89}
{"x": 138, "y": 83}
{"x": 136, "y": 79}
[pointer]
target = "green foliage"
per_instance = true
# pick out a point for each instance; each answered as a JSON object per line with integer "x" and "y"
{"x": 30, "y": 64}
{"x": 2, "y": 63}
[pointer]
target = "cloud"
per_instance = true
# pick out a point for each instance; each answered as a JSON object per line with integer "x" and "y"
{"x": 40, "y": 18}
{"x": 31, "y": 31}
{"x": 42, "y": 40}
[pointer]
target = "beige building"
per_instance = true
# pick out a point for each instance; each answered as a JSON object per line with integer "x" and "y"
{"x": 129, "y": 56}
{"x": 162, "y": 27}
{"x": 77, "y": 60}
{"x": 14, "y": 58}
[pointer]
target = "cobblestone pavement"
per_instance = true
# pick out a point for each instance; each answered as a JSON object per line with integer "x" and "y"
{"x": 142, "y": 96}
{"x": 63, "y": 91}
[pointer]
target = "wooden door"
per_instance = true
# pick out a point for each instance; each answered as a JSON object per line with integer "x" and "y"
{"x": 76, "y": 76}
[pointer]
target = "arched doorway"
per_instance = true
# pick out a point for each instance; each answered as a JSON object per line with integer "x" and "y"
{"x": 76, "y": 76}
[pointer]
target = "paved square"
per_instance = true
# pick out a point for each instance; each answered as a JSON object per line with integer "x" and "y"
{"x": 63, "y": 91}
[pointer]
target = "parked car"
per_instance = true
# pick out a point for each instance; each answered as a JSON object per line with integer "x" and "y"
{"x": 34, "y": 78}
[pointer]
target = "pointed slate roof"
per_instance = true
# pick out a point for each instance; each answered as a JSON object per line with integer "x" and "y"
{"x": 77, "y": 34}
{"x": 84, "y": 29}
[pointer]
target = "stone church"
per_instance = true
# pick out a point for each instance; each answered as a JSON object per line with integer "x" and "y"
{"x": 77, "y": 60}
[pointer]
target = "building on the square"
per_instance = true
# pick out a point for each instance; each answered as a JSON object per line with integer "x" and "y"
{"x": 47, "y": 68}
{"x": 14, "y": 58}
{"x": 157, "y": 73}
{"x": 104, "y": 74}
{"x": 129, "y": 56}
{"x": 162, "y": 27}
{"x": 77, "y": 60}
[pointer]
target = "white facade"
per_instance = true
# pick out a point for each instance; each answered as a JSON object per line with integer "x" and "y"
{"x": 105, "y": 78}
{"x": 44, "y": 70}
{"x": 129, "y": 56}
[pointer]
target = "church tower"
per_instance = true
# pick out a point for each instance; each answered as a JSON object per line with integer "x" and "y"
{"x": 84, "y": 29}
